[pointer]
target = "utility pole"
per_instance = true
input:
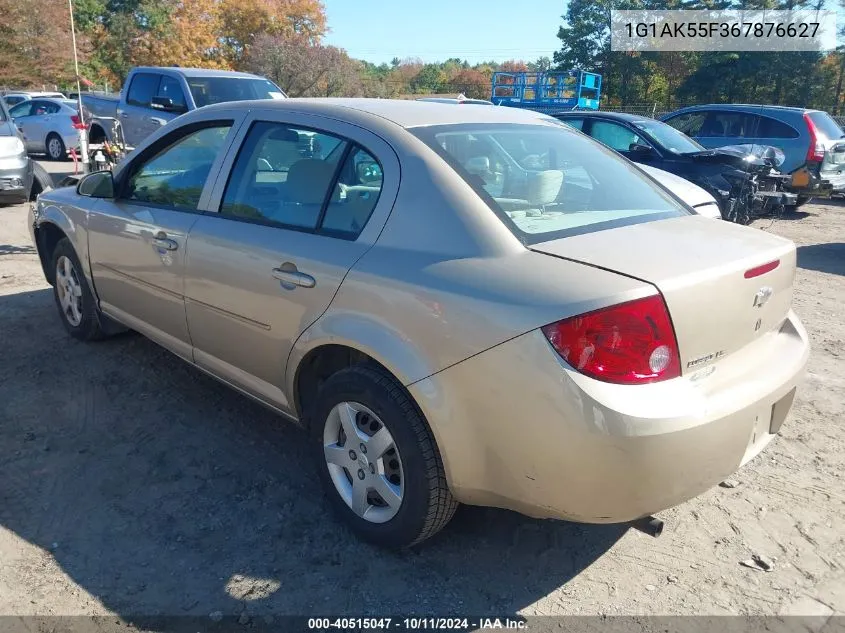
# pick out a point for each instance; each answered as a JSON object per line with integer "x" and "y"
{"x": 83, "y": 132}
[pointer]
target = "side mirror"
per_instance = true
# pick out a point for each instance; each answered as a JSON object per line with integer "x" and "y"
{"x": 368, "y": 172}
{"x": 166, "y": 104}
{"x": 640, "y": 149}
{"x": 100, "y": 184}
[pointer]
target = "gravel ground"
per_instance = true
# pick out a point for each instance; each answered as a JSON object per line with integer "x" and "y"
{"x": 133, "y": 485}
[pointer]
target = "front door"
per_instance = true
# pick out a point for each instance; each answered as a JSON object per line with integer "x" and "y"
{"x": 137, "y": 241}
{"x": 290, "y": 225}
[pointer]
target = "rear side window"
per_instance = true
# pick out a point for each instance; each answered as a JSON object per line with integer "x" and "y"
{"x": 547, "y": 182}
{"x": 615, "y": 136}
{"x": 728, "y": 124}
{"x": 282, "y": 175}
{"x": 169, "y": 88}
{"x": 825, "y": 124}
{"x": 303, "y": 179}
{"x": 41, "y": 108}
{"x": 689, "y": 123}
{"x": 142, "y": 89}
{"x": 176, "y": 175}
{"x": 772, "y": 128}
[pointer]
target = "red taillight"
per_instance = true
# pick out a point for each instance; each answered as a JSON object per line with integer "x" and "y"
{"x": 629, "y": 344}
{"x": 761, "y": 270}
{"x": 816, "y": 151}
{"x": 77, "y": 124}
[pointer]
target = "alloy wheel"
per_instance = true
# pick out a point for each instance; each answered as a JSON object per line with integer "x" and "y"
{"x": 363, "y": 462}
{"x": 69, "y": 289}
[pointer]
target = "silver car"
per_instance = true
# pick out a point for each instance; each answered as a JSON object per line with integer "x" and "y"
{"x": 48, "y": 126}
{"x": 566, "y": 340}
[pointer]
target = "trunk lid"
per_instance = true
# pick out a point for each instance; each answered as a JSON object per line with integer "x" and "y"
{"x": 699, "y": 266}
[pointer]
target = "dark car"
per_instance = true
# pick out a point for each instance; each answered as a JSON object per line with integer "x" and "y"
{"x": 21, "y": 178}
{"x": 745, "y": 182}
{"x": 811, "y": 141}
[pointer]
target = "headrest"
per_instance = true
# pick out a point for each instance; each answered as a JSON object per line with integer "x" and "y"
{"x": 308, "y": 180}
{"x": 544, "y": 187}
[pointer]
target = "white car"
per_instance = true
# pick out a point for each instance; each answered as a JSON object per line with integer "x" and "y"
{"x": 49, "y": 126}
{"x": 696, "y": 197}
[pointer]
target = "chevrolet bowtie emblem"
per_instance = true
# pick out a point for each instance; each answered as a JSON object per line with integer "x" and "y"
{"x": 762, "y": 296}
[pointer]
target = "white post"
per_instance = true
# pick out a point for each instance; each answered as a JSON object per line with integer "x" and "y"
{"x": 83, "y": 133}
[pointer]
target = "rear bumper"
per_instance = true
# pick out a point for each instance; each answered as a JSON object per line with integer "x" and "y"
{"x": 519, "y": 429}
{"x": 15, "y": 180}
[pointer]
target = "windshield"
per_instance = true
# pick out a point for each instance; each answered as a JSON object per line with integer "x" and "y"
{"x": 825, "y": 124}
{"x": 209, "y": 90}
{"x": 668, "y": 137}
{"x": 547, "y": 181}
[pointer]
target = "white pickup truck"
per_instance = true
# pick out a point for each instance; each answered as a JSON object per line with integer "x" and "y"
{"x": 152, "y": 96}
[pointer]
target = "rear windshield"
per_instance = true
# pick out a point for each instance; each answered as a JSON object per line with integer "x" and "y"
{"x": 208, "y": 90}
{"x": 825, "y": 124}
{"x": 547, "y": 182}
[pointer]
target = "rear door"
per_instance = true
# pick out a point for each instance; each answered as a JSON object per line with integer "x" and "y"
{"x": 137, "y": 241}
{"x": 291, "y": 219}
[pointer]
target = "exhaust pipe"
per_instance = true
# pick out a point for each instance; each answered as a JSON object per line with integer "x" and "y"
{"x": 649, "y": 525}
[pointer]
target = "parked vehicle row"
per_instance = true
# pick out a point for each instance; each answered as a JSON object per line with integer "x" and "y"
{"x": 811, "y": 141}
{"x": 48, "y": 126}
{"x": 743, "y": 184}
{"x": 460, "y": 304}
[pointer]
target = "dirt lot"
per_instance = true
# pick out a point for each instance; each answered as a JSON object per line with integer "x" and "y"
{"x": 133, "y": 484}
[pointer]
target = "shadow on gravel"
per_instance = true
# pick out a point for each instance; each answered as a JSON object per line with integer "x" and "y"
{"x": 162, "y": 492}
{"x": 826, "y": 258}
{"x": 8, "y": 249}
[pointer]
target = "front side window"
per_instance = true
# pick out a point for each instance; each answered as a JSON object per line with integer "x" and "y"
{"x": 176, "y": 175}
{"x": 579, "y": 186}
{"x": 21, "y": 110}
{"x": 668, "y": 137}
{"x": 615, "y": 136}
{"x": 142, "y": 89}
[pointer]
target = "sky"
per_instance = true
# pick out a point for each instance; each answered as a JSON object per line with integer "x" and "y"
{"x": 435, "y": 30}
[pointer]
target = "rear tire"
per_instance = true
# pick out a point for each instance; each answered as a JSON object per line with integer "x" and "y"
{"x": 74, "y": 299}
{"x": 422, "y": 504}
{"x": 55, "y": 147}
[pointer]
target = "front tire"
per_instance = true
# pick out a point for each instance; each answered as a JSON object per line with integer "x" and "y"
{"x": 74, "y": 299}
{"x": 55, "y": 147}
{"x": 378, "y": 459}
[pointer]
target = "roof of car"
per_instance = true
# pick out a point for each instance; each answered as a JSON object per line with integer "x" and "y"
{"x": 743, "y": 107}
{"x": 403, "y": 112}
{"x": 197, "y": 72}
{"x": 621, "y": 116}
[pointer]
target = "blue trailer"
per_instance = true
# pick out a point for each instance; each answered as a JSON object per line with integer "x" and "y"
{"x": 551, "y": 90}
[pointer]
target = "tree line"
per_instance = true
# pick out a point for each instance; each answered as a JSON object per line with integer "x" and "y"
{"x": 284, "y": 40}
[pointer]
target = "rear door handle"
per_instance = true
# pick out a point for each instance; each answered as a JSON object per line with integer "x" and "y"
{"x": 162, "y": 241}
{"x": 294, "y": 277}
{"x": 124, "y": 114}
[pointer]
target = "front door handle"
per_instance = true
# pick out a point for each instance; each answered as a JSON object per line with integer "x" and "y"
{"x": 162, "y": 241}
{"x": 293, "y": 277}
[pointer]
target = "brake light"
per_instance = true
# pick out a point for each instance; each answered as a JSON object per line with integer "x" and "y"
{"x": 630, "y": 343}
{"x": 77, "y": 123}
{"x": 816, "y": 151}
{"x": 761, "y": 270}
